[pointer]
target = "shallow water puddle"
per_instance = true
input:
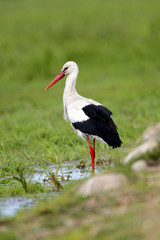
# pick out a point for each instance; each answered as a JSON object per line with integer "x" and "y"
{"x": 67, "y": 171}
{"x": 9, "y": 206}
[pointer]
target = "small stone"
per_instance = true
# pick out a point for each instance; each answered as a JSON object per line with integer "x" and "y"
{"x": 102, "y": 183}
{"x": 139, "y": 165}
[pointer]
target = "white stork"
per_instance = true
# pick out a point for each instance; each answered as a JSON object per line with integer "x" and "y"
{"x": 89, "y": 119}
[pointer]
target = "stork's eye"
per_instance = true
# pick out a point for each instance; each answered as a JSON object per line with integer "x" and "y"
{"x": 65, "y": 68}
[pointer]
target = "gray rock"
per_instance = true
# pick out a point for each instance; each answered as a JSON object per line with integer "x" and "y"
{"x": 102, "y": 183}
{"x": 145, "y": 147}
{"x": 151, "y": 139}
{"x": 152, "y": 133}
{"x": 139, "y": 165}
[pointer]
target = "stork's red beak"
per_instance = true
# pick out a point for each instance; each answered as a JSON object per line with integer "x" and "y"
{"x": 56, "y": 79}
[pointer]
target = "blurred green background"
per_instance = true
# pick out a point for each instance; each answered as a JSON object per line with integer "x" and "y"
{"x": 116, "y": 45}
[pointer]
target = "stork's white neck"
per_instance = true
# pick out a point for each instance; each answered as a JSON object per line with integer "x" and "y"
{"x": 70, "y": 90}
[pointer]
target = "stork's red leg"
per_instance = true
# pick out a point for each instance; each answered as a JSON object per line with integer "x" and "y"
{"x": 92, "y": 151}
{"x": 94, "y": 147}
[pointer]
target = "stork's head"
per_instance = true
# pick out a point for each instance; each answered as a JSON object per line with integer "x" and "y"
{"x": 67, "y": 69}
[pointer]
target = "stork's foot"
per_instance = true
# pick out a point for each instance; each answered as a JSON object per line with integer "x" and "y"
{"x": 92, "y": 152}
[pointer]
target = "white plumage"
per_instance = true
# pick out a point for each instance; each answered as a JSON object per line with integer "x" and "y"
{"x": 72, "y": 101}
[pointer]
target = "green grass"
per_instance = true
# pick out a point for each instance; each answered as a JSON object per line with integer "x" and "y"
{"x": 116, "y": 46}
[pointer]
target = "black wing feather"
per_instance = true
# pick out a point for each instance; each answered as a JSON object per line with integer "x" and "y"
{"x": 100, "y": 124}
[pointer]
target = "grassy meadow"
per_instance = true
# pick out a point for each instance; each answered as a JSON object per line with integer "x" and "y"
{"x": 116, "y": 45}
{"x": 117, "y": 49}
